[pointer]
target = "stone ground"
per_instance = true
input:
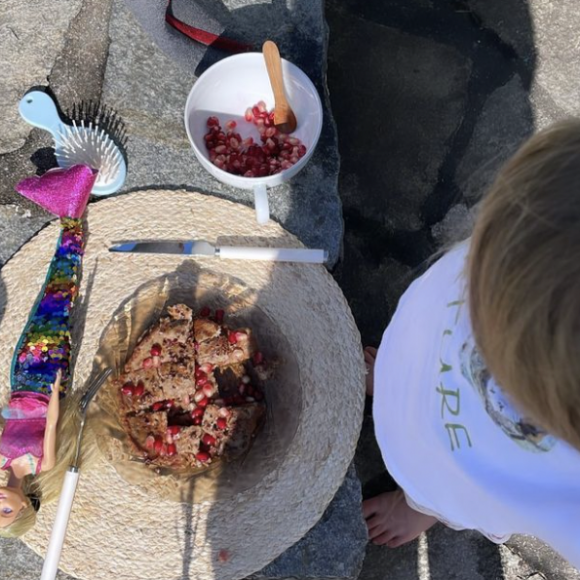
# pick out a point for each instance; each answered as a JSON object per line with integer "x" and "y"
{"x": 430, "y": 97}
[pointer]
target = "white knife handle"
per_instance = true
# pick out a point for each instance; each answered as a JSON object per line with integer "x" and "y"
{"x": 274, "y": 254}
{"x": 58, "y": 534}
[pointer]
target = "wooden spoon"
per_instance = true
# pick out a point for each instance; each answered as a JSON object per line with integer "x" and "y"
{"x": 284, "y": 118}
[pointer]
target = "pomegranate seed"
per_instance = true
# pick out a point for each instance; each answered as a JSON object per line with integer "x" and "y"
{"x": 237, "y": 155}
{"x": 156, "y": 350}
{"x": 147, "y": 363}
{"x": 213, "y": 122}
{"x": 163, "y": 451}
{"x": 203, "y": 403}
{"x": 197, "y": 412}
{"x": 224, "y": 412}
{"x": 221, "y": 423}
{"x": 200, "y": 377}
{"x": 219, "y": 316}
{"x": 205, "y": 312}
{"x": 198, "y": 397}
{"x": 171, "y": 450}
{"x": 258, "y": 358}
{"x": 202, "y": 456}
{"x": 186, "y": 400}
{"x": 246, "y": 379}
{"x": 127, "y": 389}
{"x": 195, "y": 345}
{"x": 174, "y": 429}
{"x": 170, "y": 403}
{"x": 206, "y": 368}
{"x": 139, "y": 389}
{"x": 242, "y": 389}
{"x": 158, "y": 406}
{"x": 158, "y": 446}
{"x": 197, "y": 420}
{"x": 232, "y": 337}
{"x": 155, "y": 362}
{"x": 168, "y": 438}
{"x": 208, "y": 440}
{"x": 208, "y": 390}
{"x": 150, "y": 442}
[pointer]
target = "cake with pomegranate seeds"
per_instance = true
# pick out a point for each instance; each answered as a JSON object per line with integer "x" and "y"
{"x": 187, "y": 394}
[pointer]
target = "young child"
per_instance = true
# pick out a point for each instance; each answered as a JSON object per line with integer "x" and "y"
{"x": 477, "y": 378}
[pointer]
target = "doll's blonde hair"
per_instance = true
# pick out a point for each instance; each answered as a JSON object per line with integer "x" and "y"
{"x": 524, "y": 279}
{"x": 47, "y": 485}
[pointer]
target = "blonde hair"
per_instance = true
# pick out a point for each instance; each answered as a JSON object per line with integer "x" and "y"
{"x": 47, "y": 485}
{"x": 524, "y": 279}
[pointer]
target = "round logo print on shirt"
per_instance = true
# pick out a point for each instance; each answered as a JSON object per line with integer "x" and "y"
{"x": 498, "y": 406}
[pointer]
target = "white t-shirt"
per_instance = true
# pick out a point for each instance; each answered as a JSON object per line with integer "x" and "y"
{"x": 452, "y": 439}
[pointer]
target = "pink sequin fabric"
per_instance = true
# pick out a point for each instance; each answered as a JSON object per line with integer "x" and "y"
{"x": 24, "y": 427}
{"x": 63, "y": 192}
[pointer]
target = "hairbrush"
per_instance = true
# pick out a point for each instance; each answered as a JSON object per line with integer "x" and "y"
{"x": 95, "y": 138}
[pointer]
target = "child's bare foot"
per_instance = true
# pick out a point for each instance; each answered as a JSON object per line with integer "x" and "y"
{"x": 370, "y": 358}
{"x": 391, "y": 522}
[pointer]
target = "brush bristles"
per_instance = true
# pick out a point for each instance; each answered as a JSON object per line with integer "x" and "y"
{"x": 89, "y": 145}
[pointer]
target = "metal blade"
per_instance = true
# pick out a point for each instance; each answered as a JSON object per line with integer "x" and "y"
{"x": 189, "y": 247}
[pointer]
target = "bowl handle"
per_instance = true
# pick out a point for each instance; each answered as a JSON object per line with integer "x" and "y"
{"x": 261, "y": 203}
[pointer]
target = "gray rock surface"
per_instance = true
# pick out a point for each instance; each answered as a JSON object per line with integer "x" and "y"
{"x": 19, "y": 562}
{"x": 17, "y": 225}
{"x": 30, "y": 40}
{"x": 456, "y": 226}
{"x": 545, "y": 36}
{"x": 416, "y": 105}
{"x": 541, "y": 557}
{"x": 504, "y": 123}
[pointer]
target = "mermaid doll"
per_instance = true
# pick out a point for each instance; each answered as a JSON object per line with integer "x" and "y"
{"x": 41, "y": 367}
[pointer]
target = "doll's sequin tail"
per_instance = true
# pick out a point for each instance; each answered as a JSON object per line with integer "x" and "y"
{"x": 45, "y": 345}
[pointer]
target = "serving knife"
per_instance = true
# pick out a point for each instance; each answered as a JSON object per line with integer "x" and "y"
{"x": 203, "y": 248}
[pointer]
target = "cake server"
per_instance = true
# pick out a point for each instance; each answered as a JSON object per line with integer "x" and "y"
{"x": 203, "y": 248}
{"x": 69, "y": 486}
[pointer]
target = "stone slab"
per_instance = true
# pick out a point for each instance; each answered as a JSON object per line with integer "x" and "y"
{"x": 545, "y": 36}
{"x": 504, "y": 123}
{"x": 149, "y": 91}
{"x": 405, "y": 99}
{"x": 30, "y": 40}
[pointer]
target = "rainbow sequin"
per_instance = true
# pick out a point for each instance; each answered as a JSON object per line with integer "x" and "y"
{"x": 45, "y": 344}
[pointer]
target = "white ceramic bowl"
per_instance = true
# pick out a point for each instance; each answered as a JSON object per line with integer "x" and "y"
{"x": 226, "y": 90}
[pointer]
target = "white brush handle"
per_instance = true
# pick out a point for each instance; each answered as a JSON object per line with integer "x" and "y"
{"x": 38, "y": 109}
{"x": 58, "y": 534}
{"x": 274, "y": 254}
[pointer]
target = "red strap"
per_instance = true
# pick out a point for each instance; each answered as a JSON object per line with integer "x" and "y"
{"x": 204, "y": 37}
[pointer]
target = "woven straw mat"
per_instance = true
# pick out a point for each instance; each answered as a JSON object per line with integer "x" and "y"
{"x": 116, "y": 530}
